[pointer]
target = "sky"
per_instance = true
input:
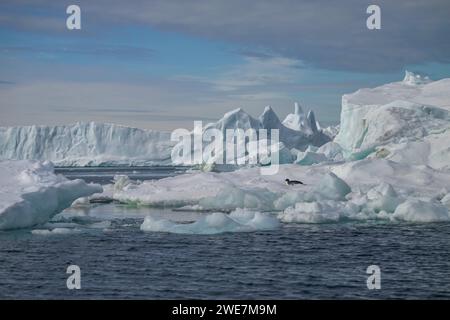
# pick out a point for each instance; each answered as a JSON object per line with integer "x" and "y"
{"x": 161, "y": 64}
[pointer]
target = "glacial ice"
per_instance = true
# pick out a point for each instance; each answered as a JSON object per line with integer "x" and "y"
{"x": 97, "y": 144}
{"x": 308, "y": 158}
{"x": 299, "y": 138}
{"x": 416, "y": 210}
{"x": 214, "y": 223}
{"x": 412, "y": 78}
{"x": 390, "y": 161}
{"x": 317, "y": 212}
{"x": 235, "y": 197}
{"x": 30, "y": 193}
{"x": 364, "y": 189}
{"x": 392, "y": 153}
{"x": 406, "y": 121}
{"x": 54, "y": 231}
{"x": 86, "y": 144}
{"x": 331, "y": 187}
{"x": 298, "y": 121}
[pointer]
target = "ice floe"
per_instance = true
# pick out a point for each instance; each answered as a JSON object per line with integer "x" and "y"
{"x": 30, "y": 193}
{"x": 217, "y": 222}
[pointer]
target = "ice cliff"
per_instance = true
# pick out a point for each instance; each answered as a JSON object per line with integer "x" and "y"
{"x": 406, "y": 121}
{"x": 85, "y": 144}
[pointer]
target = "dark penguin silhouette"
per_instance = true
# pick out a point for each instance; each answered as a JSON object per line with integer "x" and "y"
{"x": 292, "y": 182}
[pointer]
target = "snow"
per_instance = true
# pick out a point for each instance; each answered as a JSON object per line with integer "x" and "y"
{"x": 30, "y": 193}
{"x": 236, "y": 221}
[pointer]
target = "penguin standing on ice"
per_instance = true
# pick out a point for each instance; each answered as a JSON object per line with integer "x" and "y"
{"x": 292, "y": 182}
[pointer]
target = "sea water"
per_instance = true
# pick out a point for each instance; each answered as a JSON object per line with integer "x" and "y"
{"x": 293, "y": 261}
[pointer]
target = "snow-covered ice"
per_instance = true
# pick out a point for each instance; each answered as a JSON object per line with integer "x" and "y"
{"x": 363, "y": 189}
{"x": 30, "y": 193}
{"x": 422, "y": 211}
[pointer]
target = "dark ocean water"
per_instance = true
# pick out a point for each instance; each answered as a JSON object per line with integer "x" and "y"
{"x": 105, "y": 175}
{"x": 118, "y": 260}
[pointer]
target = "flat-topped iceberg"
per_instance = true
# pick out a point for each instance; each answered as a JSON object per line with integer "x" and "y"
{"x": 86, "y": 144}
{"x": 30, "y": 193}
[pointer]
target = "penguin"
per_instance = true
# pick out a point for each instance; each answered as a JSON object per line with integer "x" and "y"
{"x": 292, "y": 182}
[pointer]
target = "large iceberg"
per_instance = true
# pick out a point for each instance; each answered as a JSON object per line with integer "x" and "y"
{"x": 30, "y": 193}
{"x": 239, "y": 119}
{"x": 86, "y": 144}
{"x": 96, "y": 144}
{"x": 406, "y": 121}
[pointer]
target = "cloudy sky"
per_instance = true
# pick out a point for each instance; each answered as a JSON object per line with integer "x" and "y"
{"x": 164, "y": 63}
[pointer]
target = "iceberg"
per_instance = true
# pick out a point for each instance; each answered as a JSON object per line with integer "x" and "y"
{"x": 239, "y": 119}
{"x": 406, "y": 121}
{"x": 300, "y": 122}
{"x": 86, "y": 144}
{"x": 30, "y": 193}
{"x": 299, "y": 139}
{"x": 104, "y": 144}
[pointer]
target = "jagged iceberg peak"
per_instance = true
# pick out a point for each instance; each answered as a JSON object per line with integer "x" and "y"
{"x": 236, "y": 118}
{"x": 298, "y": 109}
{"x": 412, "y": 78}
{"x": 299, "y": 122}
{"x": 234, "y": 112}
{"x": 269, "y": 119}
{"x": 312, "y": 121}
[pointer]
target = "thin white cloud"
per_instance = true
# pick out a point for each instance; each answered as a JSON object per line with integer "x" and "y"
{"x": 256, "y": 72}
